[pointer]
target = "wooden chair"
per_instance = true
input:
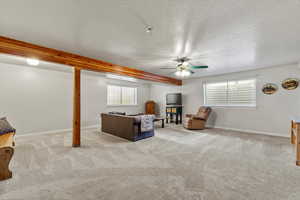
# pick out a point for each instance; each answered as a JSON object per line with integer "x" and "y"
{"x": 6, "y": 154}
{"x": 295, "y": 138}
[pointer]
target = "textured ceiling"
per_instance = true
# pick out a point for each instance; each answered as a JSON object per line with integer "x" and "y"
{"x": 227, "y": 35}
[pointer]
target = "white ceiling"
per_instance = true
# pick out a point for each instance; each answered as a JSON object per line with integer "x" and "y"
{"x": 227, "y": 35}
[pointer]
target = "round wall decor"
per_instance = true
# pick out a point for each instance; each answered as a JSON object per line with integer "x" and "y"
{"x": 269, "y": 88}
{"x": 290, "y": 83}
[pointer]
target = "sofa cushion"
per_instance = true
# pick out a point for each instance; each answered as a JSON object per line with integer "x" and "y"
{"x": 203, "y": 112}
{"x": 5, "y": 127}
{"x": 187, "y": 121}
{"x": 117, "y": 113}
{"x": 189, "y": 115}
{"x": 198, "y": 117}
{"x": 138, "y": 114}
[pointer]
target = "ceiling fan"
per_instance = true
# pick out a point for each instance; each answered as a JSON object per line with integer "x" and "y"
{"x": 184, "y": 68}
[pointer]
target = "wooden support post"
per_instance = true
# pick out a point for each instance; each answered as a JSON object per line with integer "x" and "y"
{"x": 76, "y": 108}
{"x": 295, "y": 138}
{"x": 297, "y": 144}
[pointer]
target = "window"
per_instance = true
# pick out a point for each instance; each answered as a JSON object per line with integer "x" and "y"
{"x": 230, "y": 93}
{"x": 118, "y": 95}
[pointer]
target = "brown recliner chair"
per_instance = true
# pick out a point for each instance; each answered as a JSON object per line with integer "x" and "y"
{"x": 197, "y": 122}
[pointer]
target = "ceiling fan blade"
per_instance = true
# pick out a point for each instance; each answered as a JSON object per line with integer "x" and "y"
{"x": 199, "y": 67}
{"x": 167, "y": 68}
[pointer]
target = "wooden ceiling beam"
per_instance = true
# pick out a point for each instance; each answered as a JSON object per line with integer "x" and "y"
{"x": 28, "y": 50}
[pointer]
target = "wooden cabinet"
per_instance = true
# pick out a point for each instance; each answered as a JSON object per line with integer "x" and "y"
{"x": 150, "y": 107}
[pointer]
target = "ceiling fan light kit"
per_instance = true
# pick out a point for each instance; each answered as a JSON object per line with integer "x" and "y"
{"x": 183, "y": 73}
{"x": 185, "y": 63}
{"x": 184, "y": 67}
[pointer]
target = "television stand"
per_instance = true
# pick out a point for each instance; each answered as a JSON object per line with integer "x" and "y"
{"x": 172, "y": 110}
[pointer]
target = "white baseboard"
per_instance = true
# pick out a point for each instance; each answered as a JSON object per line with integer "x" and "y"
{"x": 56, "y": 131}
{"x": 209, "y": 126}
{"x": 250, "y": 131}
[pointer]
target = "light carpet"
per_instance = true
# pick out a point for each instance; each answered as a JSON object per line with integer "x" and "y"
{"x": 212, "y": 164}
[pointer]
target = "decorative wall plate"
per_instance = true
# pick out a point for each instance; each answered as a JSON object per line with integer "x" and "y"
{"x": 269, "y": 88}
{"x": 290, "y": 83}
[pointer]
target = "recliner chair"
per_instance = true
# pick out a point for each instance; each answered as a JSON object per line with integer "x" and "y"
{"x": 197, "y": 121}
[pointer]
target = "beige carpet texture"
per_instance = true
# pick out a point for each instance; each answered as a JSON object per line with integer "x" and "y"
{"x": 212, "y": 164}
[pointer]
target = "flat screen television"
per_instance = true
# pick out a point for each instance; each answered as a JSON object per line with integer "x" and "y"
{"x": 174, "y": 99}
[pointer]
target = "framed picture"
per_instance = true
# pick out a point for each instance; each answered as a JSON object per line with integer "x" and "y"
{"x": 269, "y": 88}
{"x": 290, "y": 83}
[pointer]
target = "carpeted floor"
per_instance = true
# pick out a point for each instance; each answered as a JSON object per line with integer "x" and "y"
{"x": 175, "y": 164}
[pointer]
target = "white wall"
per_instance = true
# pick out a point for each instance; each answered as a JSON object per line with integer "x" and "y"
{"x": 273, "y": 112}
{"x": 38, "y": 100}
{"x": 271, "y": 116}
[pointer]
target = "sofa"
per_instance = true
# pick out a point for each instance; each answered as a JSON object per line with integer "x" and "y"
{"x": 127, "y": 127}
{"x": 198, "y": 120}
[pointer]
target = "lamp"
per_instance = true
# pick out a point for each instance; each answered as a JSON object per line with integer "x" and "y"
{"x": 32, "y": 61}
{"x": 183, "y": 73}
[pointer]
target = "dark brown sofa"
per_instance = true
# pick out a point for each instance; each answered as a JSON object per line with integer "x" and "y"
{"x": 127, "y": 127}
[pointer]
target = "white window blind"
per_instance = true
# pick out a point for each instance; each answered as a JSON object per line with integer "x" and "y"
{"x": 114, "y": 95}
{"x": 230, "y": 93}
{"x": 118, "y": 95}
